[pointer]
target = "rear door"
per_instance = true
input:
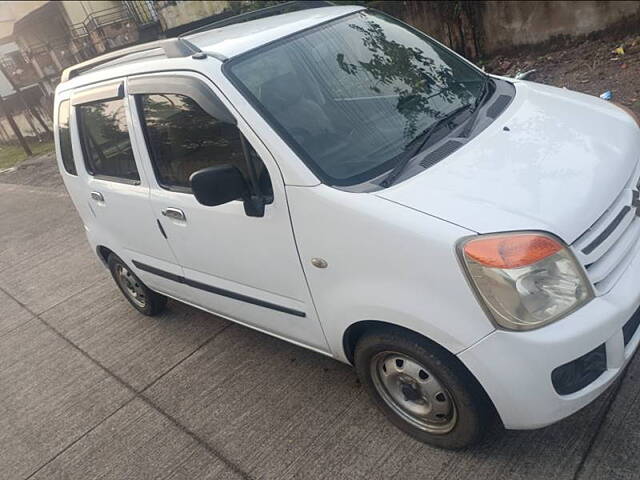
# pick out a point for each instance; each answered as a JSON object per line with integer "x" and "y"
{"x": 116, "y": 190}
{"x": 243, "y": 267}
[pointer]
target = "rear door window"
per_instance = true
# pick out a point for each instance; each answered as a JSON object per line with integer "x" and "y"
{"x": 64, "y": 137}
{"x": 105, "y": 141}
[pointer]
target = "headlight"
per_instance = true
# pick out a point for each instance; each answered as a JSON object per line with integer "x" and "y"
{"x": 525, "y": 280}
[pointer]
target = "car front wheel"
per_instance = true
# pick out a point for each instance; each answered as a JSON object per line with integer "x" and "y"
{"x": 422, "y": 389}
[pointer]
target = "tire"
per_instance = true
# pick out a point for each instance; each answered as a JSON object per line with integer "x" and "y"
{"x": 143, "y": 299}
{"x": 423, "y": 389}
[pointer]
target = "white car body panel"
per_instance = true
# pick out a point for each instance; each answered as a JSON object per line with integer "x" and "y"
{"x": 564, "y": 160}
{"x": 371, "y": 274}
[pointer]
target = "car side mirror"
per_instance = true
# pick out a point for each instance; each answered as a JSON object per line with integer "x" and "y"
{"x": 217, "y": 185}
{"x": 222, "y": 184}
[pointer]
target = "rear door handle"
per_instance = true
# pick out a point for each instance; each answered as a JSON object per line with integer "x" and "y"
{"x": 97, "y": 196}
{"x": 174, "y": 213}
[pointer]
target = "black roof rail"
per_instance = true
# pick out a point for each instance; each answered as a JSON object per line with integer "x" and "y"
{"x": 277, "y": 9}
{"x": 173, "y": 48}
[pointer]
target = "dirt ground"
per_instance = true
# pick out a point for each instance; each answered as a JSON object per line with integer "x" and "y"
{"x": 591, "y": 65}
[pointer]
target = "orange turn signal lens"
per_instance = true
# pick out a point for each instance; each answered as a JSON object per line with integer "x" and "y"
{"x": 511, "y": 251}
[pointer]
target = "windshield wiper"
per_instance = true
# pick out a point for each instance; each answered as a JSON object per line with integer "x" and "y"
{"x": 471, "y": 122}
{"x": 417, "y": 144}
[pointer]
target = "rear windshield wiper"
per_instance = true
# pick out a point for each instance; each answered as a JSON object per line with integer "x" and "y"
{"x": 471, "y": 122}
{"x": 418, "y": 143}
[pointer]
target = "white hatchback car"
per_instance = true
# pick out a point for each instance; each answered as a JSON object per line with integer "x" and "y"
{"x": 339, "y": 180}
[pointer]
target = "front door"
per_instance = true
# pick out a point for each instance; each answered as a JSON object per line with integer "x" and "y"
{"x": 243, "y": 267}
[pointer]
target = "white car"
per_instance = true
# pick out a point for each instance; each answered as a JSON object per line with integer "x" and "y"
{"x": 339, "y": 180}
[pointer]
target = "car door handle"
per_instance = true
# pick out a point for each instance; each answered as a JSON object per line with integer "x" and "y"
{"x": 97, "y": 196}
{"x": 174, "y": 213}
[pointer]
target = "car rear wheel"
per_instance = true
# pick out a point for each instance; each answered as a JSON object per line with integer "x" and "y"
{"x": 143, "y": 299}
{"x": 422, "y": 389}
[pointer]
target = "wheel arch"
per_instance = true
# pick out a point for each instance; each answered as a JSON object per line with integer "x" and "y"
{"x": 356, "y": 330}
{"x": 103, "y": 254}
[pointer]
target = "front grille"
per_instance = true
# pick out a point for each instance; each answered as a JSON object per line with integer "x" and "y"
{"x": 605, "y": 248}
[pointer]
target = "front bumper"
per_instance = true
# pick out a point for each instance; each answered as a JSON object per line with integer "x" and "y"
{"x": 515, "y": 367}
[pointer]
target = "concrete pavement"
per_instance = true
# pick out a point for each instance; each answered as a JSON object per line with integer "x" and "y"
{"x": 89, "y": 388}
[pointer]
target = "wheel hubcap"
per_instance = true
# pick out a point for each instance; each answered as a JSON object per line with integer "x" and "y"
{"x": 131, "y": 285}
{"x": 413, "y": 392}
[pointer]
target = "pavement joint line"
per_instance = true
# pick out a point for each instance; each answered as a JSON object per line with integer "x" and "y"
{"x": 203, "y": 344}
{"x": 231, "y": 465}
{"x": 607, "y": 410}
{"x": 71, "y": 444}
{"x": 8, "y": 332}
{"x": 48, "y": 309}
{"x": 212, "y": 450}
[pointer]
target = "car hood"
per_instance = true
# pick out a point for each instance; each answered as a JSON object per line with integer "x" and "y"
{"x": 561, "y": 161}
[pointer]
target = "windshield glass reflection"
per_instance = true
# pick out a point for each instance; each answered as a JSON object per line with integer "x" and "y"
{"x": 351, "y": 95}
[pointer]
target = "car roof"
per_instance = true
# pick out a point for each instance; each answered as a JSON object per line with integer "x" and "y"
{"x": 221, "y": 43}
{"x": 238, "y": 38}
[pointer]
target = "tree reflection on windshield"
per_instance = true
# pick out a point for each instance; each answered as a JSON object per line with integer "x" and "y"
{"x": 414, "y": 77}
{"x": 350, "y": 95}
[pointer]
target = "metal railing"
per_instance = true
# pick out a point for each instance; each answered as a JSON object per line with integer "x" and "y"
{"x": 106, "y": 17}
{"x": 78, "y": 30}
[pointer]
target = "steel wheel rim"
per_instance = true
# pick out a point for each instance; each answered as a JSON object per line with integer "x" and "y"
{"x": 413, "y": 392}
{"x": 131, "y": 286}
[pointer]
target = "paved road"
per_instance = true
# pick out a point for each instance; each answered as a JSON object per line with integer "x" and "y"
{"x": 91, "y": 389}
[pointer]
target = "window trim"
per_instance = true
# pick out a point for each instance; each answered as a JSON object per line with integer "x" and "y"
{"x": 59, "y": 135}
{"x": 109, "y": 178}
{"x": 185, "y": 85}
{"x": 103, "y": 93}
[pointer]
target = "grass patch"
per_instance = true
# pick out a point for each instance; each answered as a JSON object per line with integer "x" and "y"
{"x": 13, "y": 154}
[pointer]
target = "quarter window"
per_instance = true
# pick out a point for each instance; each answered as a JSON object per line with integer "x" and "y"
{"x": 64, "y": 137}
{"x": 183, "y": 139}
{"x": 105, "y": 140}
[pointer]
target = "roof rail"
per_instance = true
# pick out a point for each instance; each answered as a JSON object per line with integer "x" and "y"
{"x": 261, "y": 13}
{"x": 173, "y": 48}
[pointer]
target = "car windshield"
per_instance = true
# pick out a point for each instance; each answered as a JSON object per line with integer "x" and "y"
{"x": 350, "y": 96}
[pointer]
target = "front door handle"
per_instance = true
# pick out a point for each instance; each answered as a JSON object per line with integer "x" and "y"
{"x": 97, "y": 196}
{"x": 174, "y": 213}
